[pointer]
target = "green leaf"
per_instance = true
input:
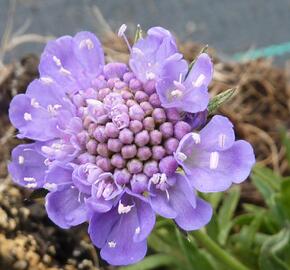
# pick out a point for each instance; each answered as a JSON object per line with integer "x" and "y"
{"x": 286, "y": 143}
{"x": 138, "y": 33}
{"x": 152, "y": 262}
{"x": 245, "y": 243}
{"x": 267, "y": 183}
{"x": 283, "y": 199}
{"x": 268, "y": 176}
{"x": 187, "y": 252}
{"x": 199, "y": 258}
{"x": 226, "y": 213}
{"x": 219, "y": 99}
{"x": 275, "y": 253}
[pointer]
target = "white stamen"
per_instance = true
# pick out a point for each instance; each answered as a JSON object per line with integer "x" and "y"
{"x": 176, "y": 93}
{"x": 138, "y": 51}
{"x": 150, "y": 75}
{"x": 56, "y": 61}
{"x": 86, "y": 43}
{"x": 47, "y": 162}
{"x": 50, "y": 186}
{"x": 214, "y": 160}
{"x": 64, "y": 71}
{"x": 34, "y": 103}
{"x": 112, "y": 244}
{"x": 121, "y": 33}
{"x": 94, "y": 102}
{"x": 138, "y": 230}
{"x": 80, "y": 197}
{"x": 29, "y": 179}
{"x": 122, "y": 209}
{"x": 27, "y": 116}
{"x": 122, "y": 30}
{"x": 222, "y": 140}
{"x": 46, "y": 80}
{"x": 163, "y": 178}
{"x": 53, "y": 108}
{"x": 167, "y": 194}
{"x": 180, "y": 77}
{"x": 195, "y": 137}
{"x": 31, "y": 185}
{"x": 20, "y": 160}
{"x": 57, "y": 146}
{"x": 155, "y": 178}
{"x": 181, "y": 156}
{"x": 199, "y": 80}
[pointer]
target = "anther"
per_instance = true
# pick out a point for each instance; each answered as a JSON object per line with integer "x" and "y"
{"x": 222, "y": 140}
{"x": 181, "y": 156}
{"x": 50, "y": 186}
{"x": 27, "y": 116}
{"x": 121, "y": 33}
{"x": 122, "y": 209}
{"x": 137, "y": 230}
{"x": 31, "y": 185}
{"x": 112, "y": 244}
{"x": 86, "y": 43}
{"x": 176, "y": 93}
{"x": 20, "y": 160}
{"x": 46, "y": 80}
{"x": 56, "y": 61}
{"x": 29, "y": 179}
{"x": 214, "y": 160}
{"x": 195, "y": 137}
{"x": 199, "y": 80}
{"x": 34, "y": 103}
{"x": 64, "y": 71}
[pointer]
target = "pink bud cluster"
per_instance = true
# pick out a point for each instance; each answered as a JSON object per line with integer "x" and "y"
{"x": 126, "y": 130}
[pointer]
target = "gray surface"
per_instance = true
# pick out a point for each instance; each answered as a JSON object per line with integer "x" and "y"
{"x": 228, "y": 25}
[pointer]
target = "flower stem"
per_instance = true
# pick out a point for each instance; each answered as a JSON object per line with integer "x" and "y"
{"x": 217, "y": 251}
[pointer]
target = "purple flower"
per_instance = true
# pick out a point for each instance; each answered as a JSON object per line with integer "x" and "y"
{"x": 189, "y": 94}
{"x": 212, "y": 159}
{"x": 108, "y": 140}
{"x": 173, "y": 197}
{"x": 151, "y": 54}
{"x": 121, "y": 233}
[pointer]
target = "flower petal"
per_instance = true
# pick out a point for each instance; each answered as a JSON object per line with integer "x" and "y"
{"x": 218, "y": 134}
{"x": 150, "y": 54}
{"x": 88, "y": 51}
{"x": 65, "y": 207}
{"x": 115, "y": 232}
{"x": 27, "y": 167}
{"x": 115, "y": 70}
{"x": 195, "y": 100}
{"x": 32, "y": 121}
{"x": 207, "y": 180}
{"x": 99, "y": 205}
{"x": 58, "y": 177}
{"x": 201, "y": 73}
{"x": 237, "y": 161}
{"x": 146, "y": 220}
{"x": 190, "y": 218}
{"x": 59, "y": 64}
{"x": 161, "y": 204}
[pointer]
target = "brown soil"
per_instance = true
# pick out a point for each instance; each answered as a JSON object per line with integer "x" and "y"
{"x": 28, "y": 240}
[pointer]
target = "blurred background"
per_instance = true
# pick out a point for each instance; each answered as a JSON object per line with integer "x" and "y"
{"x": 228, "y": 26}
{"x": 249, "y": 42}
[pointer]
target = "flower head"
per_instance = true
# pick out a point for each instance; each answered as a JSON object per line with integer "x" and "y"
{"x": 110, "y": 137}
